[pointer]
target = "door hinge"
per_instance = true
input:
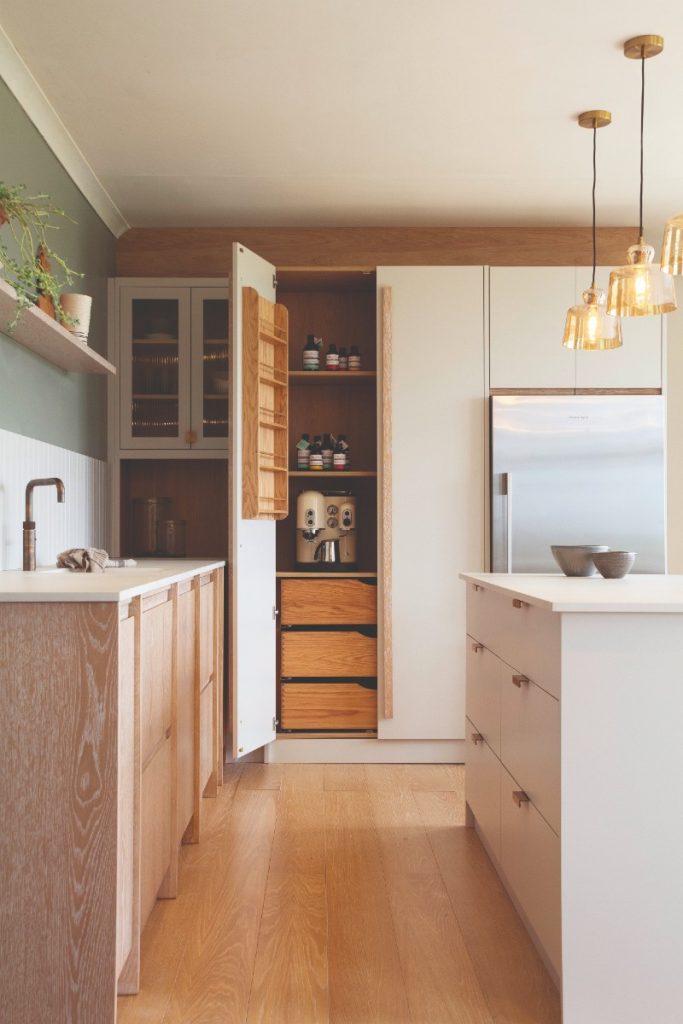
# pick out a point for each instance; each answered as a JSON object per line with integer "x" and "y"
{"x": 276, "y": 722}
{"x": 274, "y": 280}
{"x": 275, "y": 613}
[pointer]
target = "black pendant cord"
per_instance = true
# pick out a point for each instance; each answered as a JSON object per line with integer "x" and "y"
{"x": 642, "y": 126}
{"x": 595, "y": 176}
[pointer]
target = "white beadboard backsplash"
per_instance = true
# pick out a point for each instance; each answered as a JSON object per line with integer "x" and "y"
{"x": 80, "y": 522}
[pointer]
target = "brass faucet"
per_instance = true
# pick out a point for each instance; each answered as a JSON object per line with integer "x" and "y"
{"x": 29, "y": 533}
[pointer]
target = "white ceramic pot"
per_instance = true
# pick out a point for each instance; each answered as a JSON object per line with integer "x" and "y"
{"x": 78, "y": 307}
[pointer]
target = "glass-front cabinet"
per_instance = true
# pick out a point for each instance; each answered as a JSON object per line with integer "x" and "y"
{"x": 174, "y": 367}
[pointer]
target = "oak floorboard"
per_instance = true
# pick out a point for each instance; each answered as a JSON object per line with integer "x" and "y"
{"x": 365, "y": 979}
{"x": 440, "y": 980}
{"x": 517, "y": 987}
{"x": 436, "y": 777}
{"x": 385, "y": 776}
{"x": 261, "y": 776}
{"x": 290, "y": 984}
{"x": 303, "y": 778}
{"x": 214, "y": 978}
{"x": 350, "y": 778}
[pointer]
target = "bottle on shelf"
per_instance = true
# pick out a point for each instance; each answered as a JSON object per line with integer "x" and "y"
{"x": 303, "y": 452}
{"x": 354, "y": 358}
{"x": 328, "y": 451}
{"x": 332, "y": 358}
{"x": 311, "y": 354}
{"x": 339, "y": 459}
{"x": 316, "y": 456}
{"x": 343, "y": 359}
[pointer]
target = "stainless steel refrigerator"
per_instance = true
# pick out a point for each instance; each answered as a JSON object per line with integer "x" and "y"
{"x": 577, "y": 469}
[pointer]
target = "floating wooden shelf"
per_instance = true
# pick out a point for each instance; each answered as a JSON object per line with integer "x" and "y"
{"x": 332, "y": 376}
{"x": 312, "y": 575}
{"x": 47, "y": 338}
{"x": 319, "y": 474}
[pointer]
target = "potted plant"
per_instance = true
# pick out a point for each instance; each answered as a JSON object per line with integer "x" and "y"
{"x": 28, "y": 265}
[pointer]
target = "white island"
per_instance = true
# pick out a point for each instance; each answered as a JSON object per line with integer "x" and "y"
{"x": 575, "y": 779}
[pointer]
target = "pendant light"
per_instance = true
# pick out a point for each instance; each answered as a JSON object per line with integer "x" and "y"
{"x": 640, "y": 288}
{"x": 672, "y": 246}
{"x": 589, "y": 326}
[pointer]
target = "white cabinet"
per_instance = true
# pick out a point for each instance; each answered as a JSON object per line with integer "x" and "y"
{"x": 172, "y": 342}
{"x": 436, "y": 459}
{"x": 527, "y": 311}
{"x": 637, "y": 364}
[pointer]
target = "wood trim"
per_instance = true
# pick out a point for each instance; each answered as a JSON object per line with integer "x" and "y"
{"x": 129, "y": 978}
{"x": 197, "y": 788}
{"x": 575, "y": 391}
{"x": 150, "y": 601}
{"x": 218, "y": 671}
{"x": 169, "y": 886}
{"x": 385, "y": 525}
{"x": 207, "y": 252}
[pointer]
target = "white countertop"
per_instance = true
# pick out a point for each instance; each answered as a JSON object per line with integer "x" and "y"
{"x": 51, "y": 584}
{"x": 635, "y": 593}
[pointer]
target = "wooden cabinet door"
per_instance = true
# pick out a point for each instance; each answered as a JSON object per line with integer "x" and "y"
{"x": 252, "y": 551}
{"x": 527, "y": 311}
{"x": 209, "y": 372}
{"x": 637, "y": 364}
{"x": 432, "y": 492}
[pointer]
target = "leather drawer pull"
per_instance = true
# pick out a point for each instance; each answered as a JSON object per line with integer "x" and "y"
{"x": 517, "y": 603}
{"x": 520, "y": 797}
{"x": 518, "y": 680}
{"x": 477, "y": 738}
{"x": 477, "y": 647}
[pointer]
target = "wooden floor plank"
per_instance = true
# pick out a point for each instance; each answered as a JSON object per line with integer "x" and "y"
{"x": 214, "y": 980}
{"x": 439, "y": 976}
{"x": 290, "y": 982}
{"x": 513, "y": 979}
{"x": 365, "y": 979}
{"x": 261, "y": 776}
{"x": 303, "y": 778}
{"x": 436, "y": 777}
{"x": 385, "y": 776}
{"x": 350, "y": 778}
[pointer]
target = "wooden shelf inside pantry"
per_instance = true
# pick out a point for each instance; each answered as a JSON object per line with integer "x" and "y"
{"x": 47, "y": 338}
{"x": 296, "y": 574}
{"x": 323, "y": 474}
{"x": 332, "y": 376}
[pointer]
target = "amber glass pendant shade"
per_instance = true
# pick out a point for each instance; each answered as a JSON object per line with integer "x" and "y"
{"x": 640, "y": 288}
{"x": 672, "y": 246}
{"x": 589, "y": 327}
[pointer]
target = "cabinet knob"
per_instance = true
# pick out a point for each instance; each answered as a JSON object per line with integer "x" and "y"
{"x": 477, "y": 647}
{"x": 519, "y": 680}
{"x": 190, "y": 437}
{"x": 520, "y": 797}
{"x": 476, "y": 587}
{"x": 477, "y": 738}
{"x": 516, "y": 603}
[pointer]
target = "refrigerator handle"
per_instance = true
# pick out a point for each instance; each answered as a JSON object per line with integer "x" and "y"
{"x": 506, "y": 489}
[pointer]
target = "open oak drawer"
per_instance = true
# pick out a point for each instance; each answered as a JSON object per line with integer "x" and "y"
{"x": 326, "y": 652}
{"x": 338, "y": 706}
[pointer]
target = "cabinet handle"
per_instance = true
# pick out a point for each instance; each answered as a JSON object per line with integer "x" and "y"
{"x": 518, "y": 680}
{"x": 476, "y": 587}
{"x": 168, "y": 732}
{"x": 516, "y": 603}
{"x": 477, "y": 647}
{"x": 190, "y": 437}
{"x": 477, "y": 738}
{"x": 520, "y": 797}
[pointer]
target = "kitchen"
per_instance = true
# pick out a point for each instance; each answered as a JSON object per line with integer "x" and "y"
{"x": 323, "y": 604}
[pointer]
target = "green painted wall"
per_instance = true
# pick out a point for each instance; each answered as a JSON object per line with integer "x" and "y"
{"x": 36, "y": 398}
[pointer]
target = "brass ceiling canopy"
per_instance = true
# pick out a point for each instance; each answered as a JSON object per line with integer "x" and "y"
{"x": 643, "y": 47}
{"x": 595, "y": 118}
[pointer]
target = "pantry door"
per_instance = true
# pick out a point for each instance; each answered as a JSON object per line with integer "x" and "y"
{"x": 252, "y": 639}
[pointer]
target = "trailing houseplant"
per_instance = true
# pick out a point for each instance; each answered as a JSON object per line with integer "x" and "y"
{"x": 28, "y": 264}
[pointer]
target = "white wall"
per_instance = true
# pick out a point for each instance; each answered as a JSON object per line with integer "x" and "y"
{"x": 674, "y": 323}
{"x": 80, "y": 522}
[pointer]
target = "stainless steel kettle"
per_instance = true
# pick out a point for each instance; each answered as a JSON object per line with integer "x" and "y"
{"x": 328, "y": 551}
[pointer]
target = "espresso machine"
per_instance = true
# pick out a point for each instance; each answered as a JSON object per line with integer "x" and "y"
{"x": 326, "y": 529}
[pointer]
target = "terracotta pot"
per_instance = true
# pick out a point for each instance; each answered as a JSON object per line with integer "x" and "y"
{"x": 3, "y": 217}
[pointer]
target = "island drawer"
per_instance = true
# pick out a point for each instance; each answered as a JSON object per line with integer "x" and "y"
{"x": 520, "y": 634}
{"x": 326, "y": 705}
{"x": 482, "y": 783}
{"x": 328, "y": 602}
{"x": 321, "y": 652}
{"x": 530, "y": 859}
{"x": 484, "y": 679}
{"x": 530, "y": 742}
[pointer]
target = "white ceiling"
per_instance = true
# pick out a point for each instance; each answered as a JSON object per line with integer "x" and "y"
{"x": 361, "y": 112}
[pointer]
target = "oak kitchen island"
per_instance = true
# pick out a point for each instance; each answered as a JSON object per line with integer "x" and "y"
{"x": 575, "y": 778}
{"x": 110, "y": 734}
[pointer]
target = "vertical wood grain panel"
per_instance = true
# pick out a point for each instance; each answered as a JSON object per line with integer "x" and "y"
{"x": 58, "y": 802}
{"x": 385, "y": 462}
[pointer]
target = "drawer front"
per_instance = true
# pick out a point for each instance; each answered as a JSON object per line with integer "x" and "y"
{"x": 334, "y": 653}
{"x": 328, "y": 602}
{"x": 484, "y": 676}
{"x": 530, "y": 853}
{"x": 156, "y": 670}
{"x": 337, "y": 706}
{"x": 482, "y": 787}
{"x": 155, "y": 828}
{"x": 530, "y": 742}
{"x": 526, "y": 637}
